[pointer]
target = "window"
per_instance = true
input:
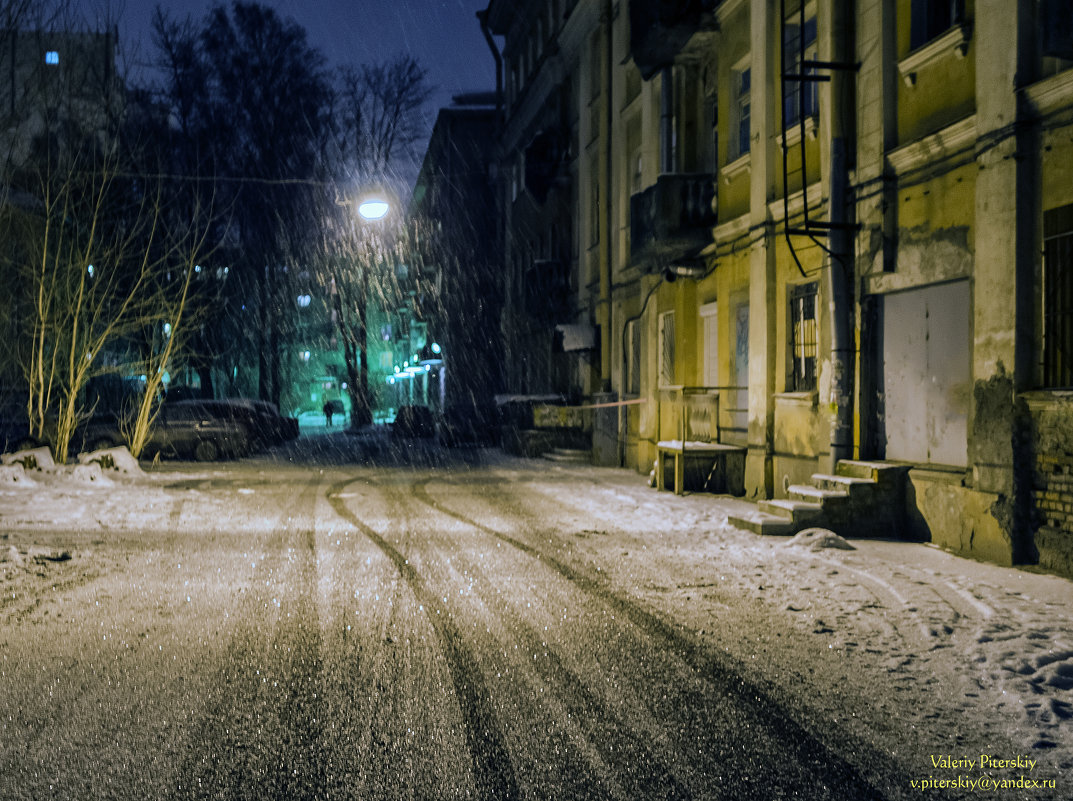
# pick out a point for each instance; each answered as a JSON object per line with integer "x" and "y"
{"x": 52, "y": 57}
{"x": 637, "y": 161}
{"x": 666, "y": 349}
{"x": 742, "y": 99}
{"x": 713, "y": 105}
{"x": 632, "y": 380}
{"x": 1058, "y": 298}
{"x": 803, "y": 338}
{"x": 709, "y": 319}
{"x": 798, "y": 95}
{"x": 594, "y": 200}
{"x": 1055, "y": 24}
{"x": 595, "y": 65}
{"x": 930, "y": 19}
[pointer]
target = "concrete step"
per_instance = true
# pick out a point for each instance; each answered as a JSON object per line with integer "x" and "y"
{"x": 877, "y": 471}
{"x": 851, "y": 485}
{"x": 827, "y": 498}
{"x": 761, "y": 523}
{"x": 797, "y": 512}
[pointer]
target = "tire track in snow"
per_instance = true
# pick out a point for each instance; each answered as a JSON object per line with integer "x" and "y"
{"x": 492, "y": 770}
{"x": 800, "y": 745}
{"x": 623, "y": 759}
{"x": 259, "y": 735}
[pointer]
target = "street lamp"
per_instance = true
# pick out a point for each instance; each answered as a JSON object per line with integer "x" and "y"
{"x": 372, "y": 207}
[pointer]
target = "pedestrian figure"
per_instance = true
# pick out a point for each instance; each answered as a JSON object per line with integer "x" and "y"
{"x": 328, "y": 409}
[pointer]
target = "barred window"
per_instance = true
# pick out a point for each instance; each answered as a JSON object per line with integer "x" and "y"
{"x": 1058, "y": 298}
{"x": 803, "y": 338}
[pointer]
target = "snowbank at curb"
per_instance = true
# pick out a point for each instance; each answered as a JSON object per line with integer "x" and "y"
{"x": 117, "y": 458}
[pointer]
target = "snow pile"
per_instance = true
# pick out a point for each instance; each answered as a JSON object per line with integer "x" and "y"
{"x": 816, "y": 539}
{"x": 118, "y": 459}
{"x": 15, "y": 474}
{"x": 90, "y": 473}
{"x": 32, "y": 459}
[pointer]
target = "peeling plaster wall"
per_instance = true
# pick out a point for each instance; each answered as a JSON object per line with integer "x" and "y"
{"x": 955, "y": 517}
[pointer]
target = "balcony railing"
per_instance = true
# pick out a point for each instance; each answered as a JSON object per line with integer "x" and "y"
{"x": 672, "y": 219}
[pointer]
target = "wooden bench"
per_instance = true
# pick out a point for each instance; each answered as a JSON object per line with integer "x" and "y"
{"x": 709, "y": 456}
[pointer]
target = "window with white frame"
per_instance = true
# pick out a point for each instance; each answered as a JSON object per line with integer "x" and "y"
{"x": 666, "y": 349}
{"x": 709, "y": 319}
{"x": 800, "y": 97}
{"x": 741, "y": 82}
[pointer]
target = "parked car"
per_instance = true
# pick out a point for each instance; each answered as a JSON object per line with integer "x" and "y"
{"x": 259, "y": 434}
{"x": 470, "y": 424}
{"x": 15, "y": 435}
{"x": 187, "y": 429}
{"x": 414, "y": 422}
{"x": 281, "y": 428}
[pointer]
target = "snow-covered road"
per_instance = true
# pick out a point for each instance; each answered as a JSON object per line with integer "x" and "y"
{"x": 502, "y": 628}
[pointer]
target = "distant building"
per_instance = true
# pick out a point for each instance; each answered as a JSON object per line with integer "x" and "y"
{"x": 55, "y": 81}
{"x": 846, "y": 230}
{"x": 454, "y": 214}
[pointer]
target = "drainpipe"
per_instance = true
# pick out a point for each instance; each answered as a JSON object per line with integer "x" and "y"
{"x": 482, "y": 17}
{"x": 839, "y": 267}
{"x": 603, "y": 315}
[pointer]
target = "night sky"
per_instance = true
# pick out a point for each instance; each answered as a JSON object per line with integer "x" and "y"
{"x": 443, "y": 35}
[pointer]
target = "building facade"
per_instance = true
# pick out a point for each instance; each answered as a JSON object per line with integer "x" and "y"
{"x": 455, "y": 248}
{"x": 845, "y": 224}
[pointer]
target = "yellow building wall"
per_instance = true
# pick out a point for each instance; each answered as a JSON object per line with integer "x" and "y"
{"x": 1057, "y": 173}
{"x": 942, "y": 91}
{"x": 793, "y": 165}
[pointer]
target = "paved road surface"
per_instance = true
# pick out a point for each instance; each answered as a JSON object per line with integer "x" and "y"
{"x": 390, "y": 634}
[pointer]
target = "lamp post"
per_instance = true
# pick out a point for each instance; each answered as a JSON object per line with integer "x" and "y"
{"x": 373, "y": 207}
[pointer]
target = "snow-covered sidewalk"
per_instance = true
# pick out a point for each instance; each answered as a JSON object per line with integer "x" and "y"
{"x": 957, "y": 659}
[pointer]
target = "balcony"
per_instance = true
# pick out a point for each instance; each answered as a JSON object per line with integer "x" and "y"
{"x": 672, "y": 220}
{"x": 660, "y": 29}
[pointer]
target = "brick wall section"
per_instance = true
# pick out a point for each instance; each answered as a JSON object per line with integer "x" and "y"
{"x": 1052, "y": 491}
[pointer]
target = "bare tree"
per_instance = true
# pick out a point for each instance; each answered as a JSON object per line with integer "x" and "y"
{"x": 171, "y": 315}
{"x": 379, "y": 116}
{"x": 377, "y": 124}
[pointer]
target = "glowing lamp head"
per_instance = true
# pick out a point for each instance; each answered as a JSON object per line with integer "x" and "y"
{"x": 374, "y": 209}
